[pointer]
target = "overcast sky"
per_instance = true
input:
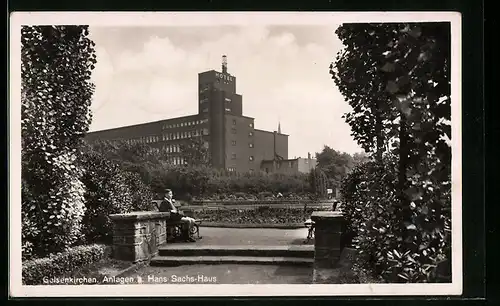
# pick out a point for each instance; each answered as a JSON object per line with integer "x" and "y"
{"x": 150, "y": 73}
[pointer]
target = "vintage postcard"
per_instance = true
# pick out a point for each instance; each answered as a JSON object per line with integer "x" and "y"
{"x": 235, "y": 154}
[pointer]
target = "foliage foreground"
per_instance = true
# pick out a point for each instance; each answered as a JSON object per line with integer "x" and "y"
{"x": 396, "y": 78}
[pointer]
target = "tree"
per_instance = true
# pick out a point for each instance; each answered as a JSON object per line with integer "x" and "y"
{"x": 56, "y": 92}
{"x": 195, "y": 152}
{"x": 107, "y": 192}
{"x": 318, "y": 182}
{"x": 357, "y": 74}
{"x": 334, "y": 164}
{"x": 137, "y": 158}
{"x": 360, "y": 158}
{"x": 406, "y": 84}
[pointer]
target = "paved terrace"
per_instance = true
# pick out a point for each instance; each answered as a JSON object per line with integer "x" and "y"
{"x": 213, "y": 236}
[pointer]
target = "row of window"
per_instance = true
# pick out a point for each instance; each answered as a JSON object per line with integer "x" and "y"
{"x": 184, "y": 135}
{"x": 169, "y": 136}
{"x": 172, "y": 148}
{"x": 182, "y": 124}
{"x": 232, "y": 169}
{"x": 233, "y": 143}
{"x": 144, "y": 139}
{"x": 233, "y": 156}
{"x": 250, "y": 125}
{"x": 178, "y": 160}
{"x": 234, "y": 131}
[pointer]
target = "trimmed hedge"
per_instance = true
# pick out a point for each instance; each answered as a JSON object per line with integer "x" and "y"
{"x": 256, "y": 202}
{"x": 62, "y": 264}
{"x": 260, "y": 215}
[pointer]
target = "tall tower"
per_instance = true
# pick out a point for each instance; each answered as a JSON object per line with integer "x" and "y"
{"x": 218, "y": 100}
{"x": 279, "y": 127}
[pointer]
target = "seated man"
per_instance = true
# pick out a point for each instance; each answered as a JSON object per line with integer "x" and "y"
{"x": 167, "y": 205}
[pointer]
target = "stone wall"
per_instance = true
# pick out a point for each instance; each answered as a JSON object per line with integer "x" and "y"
{"x": 327, "y": 238}
{"x": 137, "y": 235}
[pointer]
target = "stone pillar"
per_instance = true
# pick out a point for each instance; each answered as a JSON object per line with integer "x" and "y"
{"x": 328, "y": 226}
{"x": 137, "y": 235}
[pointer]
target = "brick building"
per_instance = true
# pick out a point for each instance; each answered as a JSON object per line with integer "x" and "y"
{"x": 231, "y": 138}
{"x": 289, "y": 166}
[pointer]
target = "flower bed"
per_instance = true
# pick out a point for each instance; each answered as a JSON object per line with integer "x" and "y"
{"x": 260, "y": 215}
{"x": 263, "y": 196}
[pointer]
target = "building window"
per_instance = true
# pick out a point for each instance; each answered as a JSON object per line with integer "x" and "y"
{"x": 251, "y": 125}
{"x": 205, "y": 110}
{"x": 205, "y": 131}
{"x": 250, "y": 134}
{"x": 227, "y": 99}
{"x": 290, "y": 163}
{"x": 250, "y": 158}
{"x": 234, "y": 121}
{"x": 233, "y": 155}
{"x": 233, "y": 130}
{"x": 251, "y": 171}
{"x": 233, "y": 142}
{"x": 250, "y": 145}
{"x": 228, "y": 109}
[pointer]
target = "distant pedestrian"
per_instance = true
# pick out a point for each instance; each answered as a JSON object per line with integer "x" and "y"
{"x": 335, "y": 205}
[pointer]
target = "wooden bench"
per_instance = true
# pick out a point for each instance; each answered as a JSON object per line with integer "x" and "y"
{"x": 174, "y": 228}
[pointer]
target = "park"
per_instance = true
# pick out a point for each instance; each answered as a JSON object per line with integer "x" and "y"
{"x": 89, "y": 210}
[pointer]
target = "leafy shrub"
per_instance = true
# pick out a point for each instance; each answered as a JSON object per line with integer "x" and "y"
{"x": 39, "y": 271}
{"x": 55, "y": 98}
{"x": 141, "y": 194}
{"x": 390, "y": 246}
{"x": 53, "y": 204}
{"x": 318, "y": 182}
{"x": 107, "y": 193}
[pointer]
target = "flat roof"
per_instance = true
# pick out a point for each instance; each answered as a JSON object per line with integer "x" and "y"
{"x": 271, "y": 132}
{"x": 142, "y": 124}
{"x": 290, "y": 159}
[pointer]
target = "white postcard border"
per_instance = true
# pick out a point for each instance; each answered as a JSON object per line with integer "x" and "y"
{"x": 226, "y": 18}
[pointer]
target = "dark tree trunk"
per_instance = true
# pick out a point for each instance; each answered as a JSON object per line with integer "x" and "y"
{"x": 379, "y": 136}
{"x": 402, "y": 168}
